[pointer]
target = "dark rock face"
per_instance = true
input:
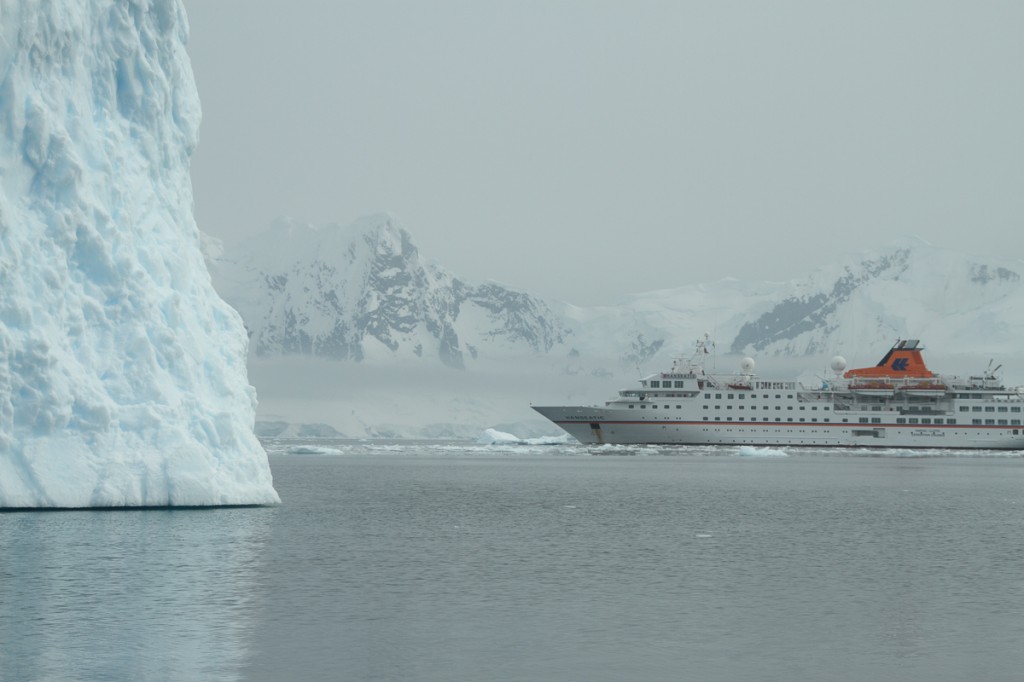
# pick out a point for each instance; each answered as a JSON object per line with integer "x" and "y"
{"x": 794, "y": 316}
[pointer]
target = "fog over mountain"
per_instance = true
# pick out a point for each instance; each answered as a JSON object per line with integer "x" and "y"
{"x": 391, "y": 343}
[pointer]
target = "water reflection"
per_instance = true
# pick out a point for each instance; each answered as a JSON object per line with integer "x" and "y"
{"x": 149, "y": 594}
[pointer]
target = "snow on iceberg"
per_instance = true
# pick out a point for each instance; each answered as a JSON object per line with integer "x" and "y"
{"x": 122, "y": 374}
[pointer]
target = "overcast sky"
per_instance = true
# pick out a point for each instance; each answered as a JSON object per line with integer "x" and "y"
{"x": 584, "y": 149}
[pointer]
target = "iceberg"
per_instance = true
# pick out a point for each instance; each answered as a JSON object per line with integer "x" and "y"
{"x": 751, "y": 451}
{"x": 495, "y": 437}
{"x": 122, "y": 373}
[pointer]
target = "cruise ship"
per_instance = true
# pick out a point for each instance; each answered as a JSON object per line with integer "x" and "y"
{"x": 898, "y": 403}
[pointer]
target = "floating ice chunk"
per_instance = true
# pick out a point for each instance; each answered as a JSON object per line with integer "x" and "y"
{"x": 312, "y": 450}
{"x": 751, "y": 451}
{"x": 495, "y": 437}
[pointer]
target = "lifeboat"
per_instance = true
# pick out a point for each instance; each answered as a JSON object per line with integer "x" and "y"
{"x": 876, "y": 388}
{"x": 923, "y": 389}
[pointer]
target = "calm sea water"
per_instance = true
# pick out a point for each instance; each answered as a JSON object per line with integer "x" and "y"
{"x": 426, "y": 561}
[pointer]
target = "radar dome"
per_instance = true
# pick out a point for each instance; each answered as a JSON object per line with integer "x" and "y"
{"x": 747, "y": 365}
{"x": 838, "y": 363}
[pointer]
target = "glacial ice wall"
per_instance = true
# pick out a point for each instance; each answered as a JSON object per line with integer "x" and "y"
{"x": 122, "y": 373}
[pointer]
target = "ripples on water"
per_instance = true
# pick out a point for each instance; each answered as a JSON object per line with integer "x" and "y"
{"x": 455, "y": 561}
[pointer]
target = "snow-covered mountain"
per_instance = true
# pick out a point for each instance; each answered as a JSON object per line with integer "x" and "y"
{"x": 958, "y": 304}
{"x": 362, "y": 292}
{"x": 364, "y": 295}
{"x": 122, "y": 373}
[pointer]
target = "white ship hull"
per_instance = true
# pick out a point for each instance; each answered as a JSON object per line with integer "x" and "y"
{"x": 898, "y": 403}
{"x": 598, "y": 425}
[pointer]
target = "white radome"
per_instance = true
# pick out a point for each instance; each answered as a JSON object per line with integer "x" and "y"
{"x": 747, "y": 365}
{"x": 838, "y": 363}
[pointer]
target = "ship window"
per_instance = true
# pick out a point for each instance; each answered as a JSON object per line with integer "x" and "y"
{"x": 876, "y": 420}
{"x": 863, "y": 420}
{"x": 1015, "y": 422}
{"x": 742, "y": 396}
{"x": 802, "y": 419}
{"x": 718, "y": 419}
{"x": 778, "y": 407}
{"x": 951, "y": 421}
{"x": 680, "y": 384}
{"x": 815, "y": 409}
{"x": 1001, "y": 409}
{"x": 1014, "y": 409}
{"x": 926, "y": 421}
{"x": 1015, "y": 432}
{"x": 728, "y": 407}
{"x": 990, "y": 421}
{"x": 1002, "y": 422}
{"x": 741, "y": 418}
{"x": 990, "y": 409}
{"x": 901, "y": 420}
{"x": 655, "y": 384}
{"x": 802, "y": 408}
{"x": 679, "y": 407}
{"x": 767, "y": 407}
{"x": 741, "y": 407}
{"x": 975, "y": 409}
{"x": 845, "y": 420}
{"x": 643, "y": 407}
{"x": 789, "y": 419}
{"x": 718, "y": 396}
{"x": 706, "y": 407}
{"x": 778, "y": 419}
{"x": 913, "y": 420}
{"x": 718, "y": 407}
{"x": 814, "y": 420}
{"x": 632, "y": 406}
{"x": 707, "y": 396}
{"x": 825, "y": 408}
{"x": 975, "y": 421}
{"x": 790, "y": 395}
{"x": 654, "y": 407}
{"x": 730, "y": 396}
{"x": 705, "y": 418}
{"x": 964, "y": 408}
{"x": 777, "y": 395}
{"x": 765, "y": 396}
{"x": 790, "y": 408}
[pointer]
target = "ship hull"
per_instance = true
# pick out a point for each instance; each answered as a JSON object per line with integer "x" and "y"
{"x": 601, "y": 425}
